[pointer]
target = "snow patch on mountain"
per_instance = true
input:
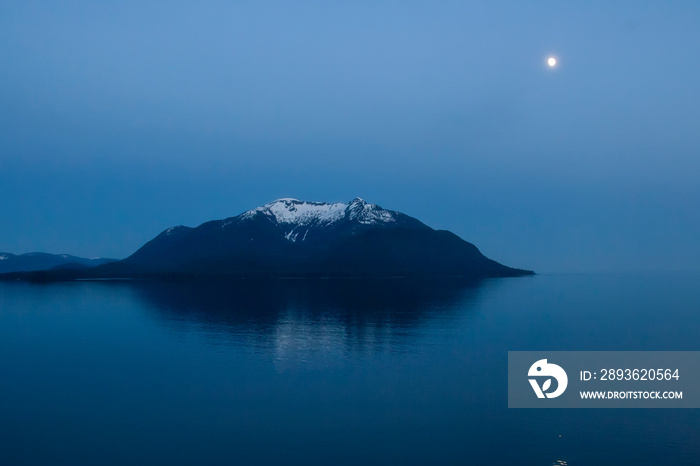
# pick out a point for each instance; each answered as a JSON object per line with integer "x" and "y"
{"x": 298, "y": 217}
{"x": 303, "y": 213}
{"x": 369, "y": 214}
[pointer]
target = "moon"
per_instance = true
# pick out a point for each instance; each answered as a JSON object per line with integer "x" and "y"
{"x": 552, "y": 62}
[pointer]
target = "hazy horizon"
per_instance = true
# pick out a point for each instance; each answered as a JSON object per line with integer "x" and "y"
{"x": 119, "y": 121}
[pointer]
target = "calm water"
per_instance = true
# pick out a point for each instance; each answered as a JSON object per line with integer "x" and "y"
{"x": 383, "y": 372}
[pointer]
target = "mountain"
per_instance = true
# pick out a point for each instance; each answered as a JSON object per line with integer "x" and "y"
{"x": 292, "y": 238}
{"x": 42, "y": 261}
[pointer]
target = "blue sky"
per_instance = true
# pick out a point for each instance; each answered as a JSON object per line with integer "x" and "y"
{"x": 120, "y": 120}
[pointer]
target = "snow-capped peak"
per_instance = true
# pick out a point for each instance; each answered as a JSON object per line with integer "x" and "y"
{"x": 288, "y": 210}
{"x": 172, "y": 230}
{"x": 298, "y": 217}
{"x": 367, "y": 214}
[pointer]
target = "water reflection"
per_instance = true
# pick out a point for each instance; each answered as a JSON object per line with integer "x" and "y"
{"x": 328, "y": 316}
{"x": 316, "y": 373}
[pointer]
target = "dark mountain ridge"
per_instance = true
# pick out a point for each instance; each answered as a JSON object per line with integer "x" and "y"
{"x": 292, "y": 238}
{"x": 289, "y": 238}
{"x": 34, "y": 261}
